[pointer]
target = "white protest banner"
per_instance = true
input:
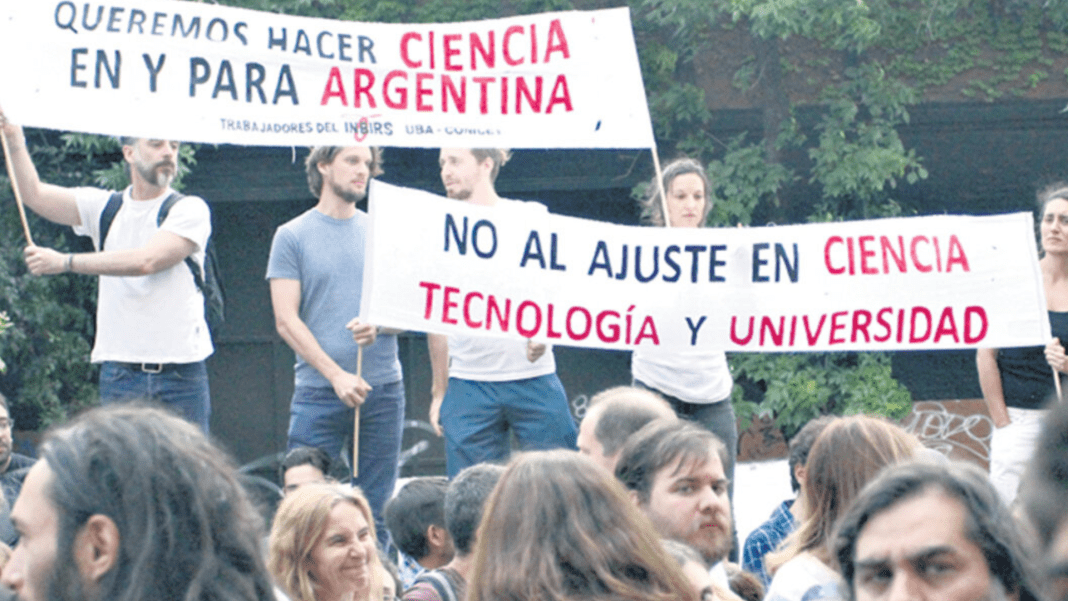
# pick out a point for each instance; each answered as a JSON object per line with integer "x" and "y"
{"x": 942, "y": 282}
{"x": 205, "y": 73}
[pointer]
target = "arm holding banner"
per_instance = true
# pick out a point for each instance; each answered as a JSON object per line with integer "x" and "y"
{"x": 54, "y": 203}
{"x": 163, "y": 251}
{"x": 285, "y": 300}
{"x": 438, "y": 347}
{"x": 1056, "y": 357}
{"x": 986, "y": 361}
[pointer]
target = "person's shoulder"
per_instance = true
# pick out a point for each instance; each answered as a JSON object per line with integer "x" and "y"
{"x": 422, "y": 590}
{"x": 19, "y": 461}
{"x": 300, "y": 223}
{"x": 191, "y": 201}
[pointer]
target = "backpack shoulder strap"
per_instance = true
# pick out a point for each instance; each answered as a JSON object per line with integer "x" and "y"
{"x": 107, "y": 216}
{"x": 164, "y": 210}
{"x": 441, "y": 584}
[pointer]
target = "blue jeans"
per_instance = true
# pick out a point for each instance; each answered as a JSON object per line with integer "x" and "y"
{"x": 317, "y": 418}
{"x": 476, "y": 417}
{"x": 182, "y": 388}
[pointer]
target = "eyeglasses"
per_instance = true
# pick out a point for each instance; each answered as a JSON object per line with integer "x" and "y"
{"x": 6, "y": 423}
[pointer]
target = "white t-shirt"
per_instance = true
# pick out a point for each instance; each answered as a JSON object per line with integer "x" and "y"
{"x": 498, "y": 359}
{"x": 693, "y": 375}
{"x": 805, "y": 578}
{"x": 157, "y": 318}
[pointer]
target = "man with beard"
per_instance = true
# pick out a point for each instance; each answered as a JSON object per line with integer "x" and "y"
{"x": 151, "y": 334}
{"x": 674, "y": 471}
{"x": 133, "y": 503}
{"x": 482, "y": 387}
{"x": 315, "y": 272}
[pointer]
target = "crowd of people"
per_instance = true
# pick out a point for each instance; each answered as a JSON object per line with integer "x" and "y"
{"x": 129, "y": 501}
{"x": 132, "y": 501}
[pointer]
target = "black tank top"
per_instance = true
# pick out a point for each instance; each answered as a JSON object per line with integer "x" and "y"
{"x": 1026, "y": 378}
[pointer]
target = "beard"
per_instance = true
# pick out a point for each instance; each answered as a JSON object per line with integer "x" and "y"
{"x": 64, "y": 582}
{"x": 348, "y": 195}
{"x": 461, "y": 194}
{"x": 153, "y": 174}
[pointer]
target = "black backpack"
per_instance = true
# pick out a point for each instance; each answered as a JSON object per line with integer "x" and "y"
{"x": 209, "y": 284}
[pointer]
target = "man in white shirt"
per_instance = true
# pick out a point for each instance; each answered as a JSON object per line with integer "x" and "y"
{"x": 151, "y": 334}
{"x": 482, "y": 387}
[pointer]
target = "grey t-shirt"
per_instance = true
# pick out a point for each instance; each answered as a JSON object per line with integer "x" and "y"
{"x": 326, "y": 256}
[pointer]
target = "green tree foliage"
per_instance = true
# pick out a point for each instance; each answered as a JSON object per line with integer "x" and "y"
{"x": 862, "y": 64}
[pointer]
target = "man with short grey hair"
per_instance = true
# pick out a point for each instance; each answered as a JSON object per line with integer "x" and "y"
{"x": 152, "y": 336}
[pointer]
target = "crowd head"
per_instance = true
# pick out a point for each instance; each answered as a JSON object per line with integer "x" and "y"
{"x": 323, "y": 545}
{"x": 847, "y": 455}
{"x": 465, "y": 501}
{"x": 416, "y": 520}
{"x": 613, "y": 416}
{"x": 674, "y": 471}
{"x": 600, "y": 548}
{"x": 303, "y": 465}
{"x": 133, "y": 503}
{"x": 939, "y": 531}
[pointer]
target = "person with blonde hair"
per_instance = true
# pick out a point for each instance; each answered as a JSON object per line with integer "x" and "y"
{"x": 323, "y": 546}
{"x": 558, "y": 528}
{"x": 850, "y": 452}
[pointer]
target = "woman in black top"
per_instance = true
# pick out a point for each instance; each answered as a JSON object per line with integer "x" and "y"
{"x": 1018, "y": 382}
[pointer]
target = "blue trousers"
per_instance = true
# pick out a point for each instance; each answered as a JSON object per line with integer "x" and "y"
{"x": 317, "y": 418}
{"x": 476, "y": 417}
{"x": 182, "y": 388}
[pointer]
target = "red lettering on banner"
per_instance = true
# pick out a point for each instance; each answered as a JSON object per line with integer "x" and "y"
{"x": 404, "y": 52}
{"x": 449, "y": 304}
{"x": 519, "y": 45}
{"x": 946, "y": 326}
{"x": 450, "y": 52}
{"x": 536, "y": 320}
{"x": 920, "y": 253}
{"x": 334, "y": 80}
{"x": 430, "y": 89}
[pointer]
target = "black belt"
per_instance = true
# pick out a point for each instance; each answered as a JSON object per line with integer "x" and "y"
{"x": 150, "y": 368}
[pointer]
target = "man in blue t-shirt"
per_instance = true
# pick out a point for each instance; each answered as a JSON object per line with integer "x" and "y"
{"x": 316, "y": 272}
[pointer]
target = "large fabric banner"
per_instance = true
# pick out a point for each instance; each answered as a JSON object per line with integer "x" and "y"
{"x": 205, "y": 73}
{"x": 944, "y": 282}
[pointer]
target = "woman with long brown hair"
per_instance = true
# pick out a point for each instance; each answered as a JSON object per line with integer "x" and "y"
{"x": 849, "y": 453}
{"x": 560, "y": 528}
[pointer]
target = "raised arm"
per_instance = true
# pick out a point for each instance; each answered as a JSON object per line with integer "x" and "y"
{"x": 285, "y": 300}
{"x": 54, "y": 203}
{"x": 438, "y": 347}
{"x": 986, "y": 361}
